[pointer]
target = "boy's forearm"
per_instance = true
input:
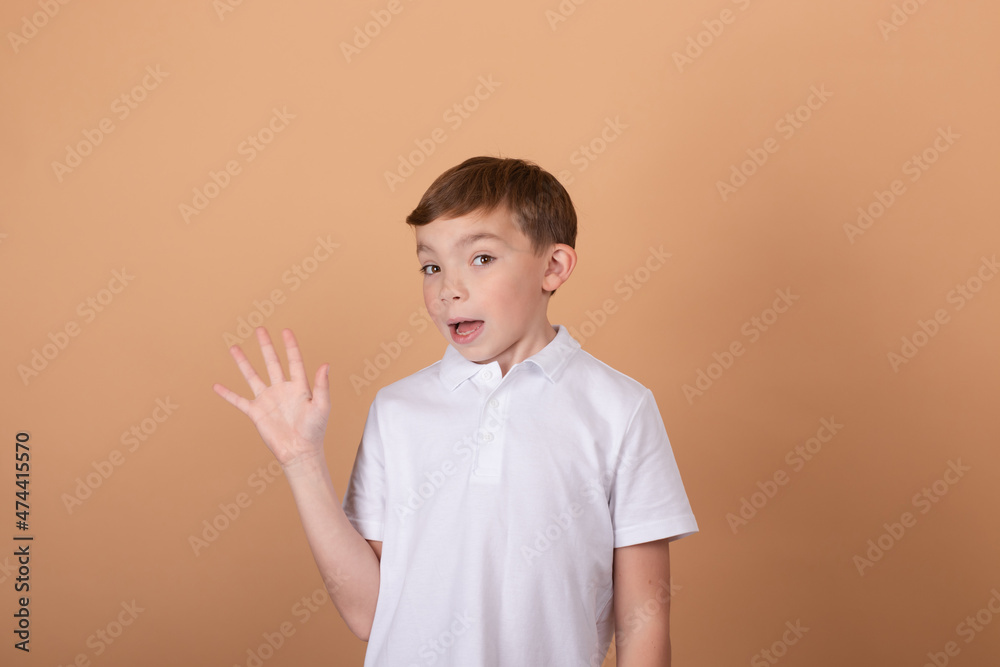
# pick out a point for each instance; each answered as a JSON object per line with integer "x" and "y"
{"x": 346, "y": 561}
{"x": 653, "y": 656}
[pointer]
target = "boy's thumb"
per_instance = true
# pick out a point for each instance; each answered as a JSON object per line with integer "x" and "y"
{"x": 322, "y": 383}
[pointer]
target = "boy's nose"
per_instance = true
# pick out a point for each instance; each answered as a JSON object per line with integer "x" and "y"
{"x": 451, "y": 289}
{"x": 450, "y": 295}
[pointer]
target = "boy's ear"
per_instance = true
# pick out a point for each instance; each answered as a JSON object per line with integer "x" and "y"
{"x": 561, "y": 262}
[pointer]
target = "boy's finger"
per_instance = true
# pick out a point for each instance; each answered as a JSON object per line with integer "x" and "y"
{"x": 296, "y": 369}
{"x": 232, "y": 397}
{"x": 256, "y": 384}
{"x": 270, "y": 357}
{"x": 321, "y": 394}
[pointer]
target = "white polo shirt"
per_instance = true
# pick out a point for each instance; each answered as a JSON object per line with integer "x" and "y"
{"x": 499, "y": 502}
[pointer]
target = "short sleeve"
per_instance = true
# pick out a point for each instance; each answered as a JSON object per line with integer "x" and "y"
{"x": 647, "y": 497}
{"x": 365, "y": 497}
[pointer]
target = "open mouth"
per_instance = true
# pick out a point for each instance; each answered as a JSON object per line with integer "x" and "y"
{"x": 466, "y": 327}
{"x": 465, "y": 330}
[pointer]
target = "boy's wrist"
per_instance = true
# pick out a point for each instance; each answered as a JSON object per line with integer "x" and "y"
{"x": 306, "y": 466}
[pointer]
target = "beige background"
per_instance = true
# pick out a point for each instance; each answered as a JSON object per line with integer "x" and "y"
{"x": 683, "y": 127}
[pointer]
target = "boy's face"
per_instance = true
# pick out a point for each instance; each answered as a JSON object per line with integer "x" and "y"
{"x": 480, "y": 270}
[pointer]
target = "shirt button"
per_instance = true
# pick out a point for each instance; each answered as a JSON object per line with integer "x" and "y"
{"x": 494, "y": 402}
{"x": 487, "y": 375}
{"x": 487, "y": 437}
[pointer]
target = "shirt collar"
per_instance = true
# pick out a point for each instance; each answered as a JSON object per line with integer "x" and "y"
{"x": 456, "y": 369}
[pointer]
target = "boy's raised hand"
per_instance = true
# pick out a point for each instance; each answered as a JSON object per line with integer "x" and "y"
{"x": 290, "y": 419}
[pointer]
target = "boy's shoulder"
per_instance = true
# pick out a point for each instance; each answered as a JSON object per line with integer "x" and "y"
{"x": 611, "y": 378}
{"x": 419, "y": 381}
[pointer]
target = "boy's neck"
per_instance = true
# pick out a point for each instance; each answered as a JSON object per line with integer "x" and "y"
{"x": 547, "y": 335}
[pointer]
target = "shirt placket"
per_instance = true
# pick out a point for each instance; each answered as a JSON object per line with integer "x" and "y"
{"x": 491, "y": 428}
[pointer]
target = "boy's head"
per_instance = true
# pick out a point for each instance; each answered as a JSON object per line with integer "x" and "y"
{"x": 495, "y": 239}
{"x": 537, "y": 202}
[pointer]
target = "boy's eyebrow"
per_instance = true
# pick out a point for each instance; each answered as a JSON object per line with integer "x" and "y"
{"x": 466, "y": 240}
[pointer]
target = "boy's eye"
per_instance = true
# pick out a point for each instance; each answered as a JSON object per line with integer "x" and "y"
{"x": 424, "y": 269}
{"x": 488, "y": 259}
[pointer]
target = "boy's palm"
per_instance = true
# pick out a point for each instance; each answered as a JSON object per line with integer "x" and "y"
{"x": 291, "y": 420}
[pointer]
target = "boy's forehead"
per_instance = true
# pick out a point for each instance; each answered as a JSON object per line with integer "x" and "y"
{"x": 445, "y": 232}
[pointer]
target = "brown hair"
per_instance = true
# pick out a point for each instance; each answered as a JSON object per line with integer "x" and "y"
{"x": 538, "y": 203}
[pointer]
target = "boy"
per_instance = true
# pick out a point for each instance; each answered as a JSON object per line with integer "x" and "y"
{"x": 524, "y": 492}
